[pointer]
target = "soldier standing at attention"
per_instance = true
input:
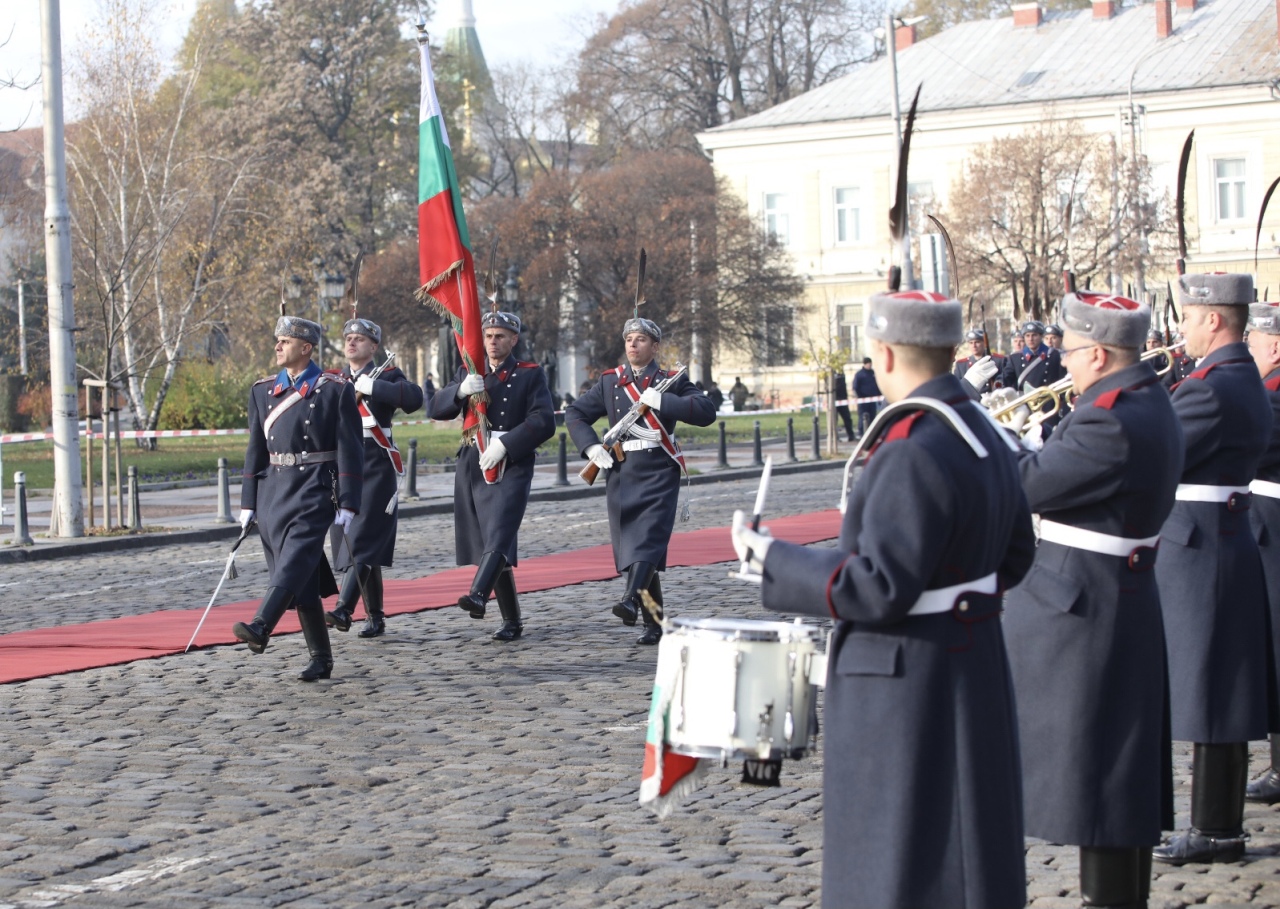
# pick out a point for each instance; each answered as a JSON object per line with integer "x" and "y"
{"x": 643, "y": 490}
{"x": 922, "y": 796}
{"x": 988, "y": 367}
{"x": 370, "y": 541}
{"x": 1035, "y": 365}
{"x": 488, "y": 510}
{"x": 1053, "y": 336}
{"x": 303, "y": 472}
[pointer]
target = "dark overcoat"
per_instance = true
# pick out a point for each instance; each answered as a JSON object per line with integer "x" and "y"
{"x": 296, "y": 505}
{"x": 487, "y": 516}
{"x": 922, "y": 800}
{"x": 1084, "y": 630}
{"x": 1264, "y": 516}
{"x": 1035, "y": 368}
{"x": 372, "y": 534}
{"x": 1209, "y": 572}
{"x": 642, "y": 492}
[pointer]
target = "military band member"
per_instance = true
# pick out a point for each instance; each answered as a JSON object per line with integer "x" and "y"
{"x": 370, "y": 541}
{"x": 1053, "y": 336}
{"x": 1264, "y": 516}
{"x": 922, "y": 801}
{"x": 487, "y": 516}
{"x": 302, "y": 475}
{"x": 1212, "y": 591}
{"x": 1084, "y": 628}
{"x": 1035, "y": 365}
{"x": 643, "y": 489}
{"x": 1183, "y": 365}
{"x": 988, "y": 367}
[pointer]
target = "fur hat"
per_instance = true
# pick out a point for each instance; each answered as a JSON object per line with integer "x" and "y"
{"x": 302, "y": 329}
{"x": 1215, "y": 289}
{"x": 1107, "y": 318}
{"x": 1265, "y": 317}
{"x": 919, "y": 318}
{"x": 496, "y": 318}
{"x": 642, "y": 325}
{"x": 363, "y": 327}
{"x": 1032, "y": 327}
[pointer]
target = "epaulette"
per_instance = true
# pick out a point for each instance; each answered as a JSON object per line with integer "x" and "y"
{"x": 265, "y": 379}
{"x": 523, "y": 365}
{"x": 902, "y": 428}
{"x": 616, "y": 371}
{"x": 1107, "y": 399}
{"x": 333, "y": 372}
{"x": 1273, "y": 384}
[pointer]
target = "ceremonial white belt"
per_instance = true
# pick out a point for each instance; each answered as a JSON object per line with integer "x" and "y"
{"x": 297, "y": 459}
{"x": 1092, "y": 540}
{"x": 386, "y": 432}
{"x": 944, "y": 598}
{"x": 1194, "y": 492}
{"x": 640, "y": 444}
{"x": 1265, "y": 488}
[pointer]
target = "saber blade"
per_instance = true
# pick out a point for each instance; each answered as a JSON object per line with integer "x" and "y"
{"x": 217, "y": 590}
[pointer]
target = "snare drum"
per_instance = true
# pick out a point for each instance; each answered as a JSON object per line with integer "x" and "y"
{"x": 742, "y": 687}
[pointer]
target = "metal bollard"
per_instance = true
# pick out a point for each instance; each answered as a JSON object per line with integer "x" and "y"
{"x": 224, "y": 493}
{"x": 757, "y": 456}
{"x": 135, "y": 503}
{"x": 21, "y": 532}
{"x": 791, "y": 439}
{"x": 723, "y": 454}
{"x": 817, "y": 452}
{"x": 411, "y": 474}
{"x": 562, "y": 464}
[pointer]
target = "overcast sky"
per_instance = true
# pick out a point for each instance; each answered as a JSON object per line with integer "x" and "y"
{"x": 510, "y": 30}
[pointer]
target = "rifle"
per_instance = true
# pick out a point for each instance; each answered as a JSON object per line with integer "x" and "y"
{"x": 617, "y": 432}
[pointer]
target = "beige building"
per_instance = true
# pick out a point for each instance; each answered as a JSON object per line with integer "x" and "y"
{"x": 818, "y": 170}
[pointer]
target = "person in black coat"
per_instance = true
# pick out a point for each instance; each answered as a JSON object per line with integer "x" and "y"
{"x": 369, "y": 544}
{"x": 491, "y": 489}
{"x": 991, "y": 367}
{"x": 1212, "y": 591}
{"x": 303, "y": 473}
{"x": 840, "y": 392}
{"x": 1084, "y": 631}
{"x": 864, "y": 386}
{"x": 922, "y": 800}
{"x": 643, "y": 487}
{"x": 1035, "y": 365}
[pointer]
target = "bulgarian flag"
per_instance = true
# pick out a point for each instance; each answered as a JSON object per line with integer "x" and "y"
{"x": 445, "y": 266}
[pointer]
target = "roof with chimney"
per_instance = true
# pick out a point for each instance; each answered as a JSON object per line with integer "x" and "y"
{"x": 1068, "y": 55}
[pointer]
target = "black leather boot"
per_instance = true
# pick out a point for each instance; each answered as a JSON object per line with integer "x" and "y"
{"x": 316, "y": 634}
{"x": 357, "y": 577}
{"x": 270, "y": 611}
{"x": 652, "y": 629}
{"x": 639, "y": 577}
{"x": 491, "y": 565}
{"x": 1218, "y": 777}
{"x": 1266, "y": 788}
{"x": 375, "y": 623}
{"x": 1144, "y": 877}
{"x": 509, "y": 605}
{"x": 1110, "y": 877}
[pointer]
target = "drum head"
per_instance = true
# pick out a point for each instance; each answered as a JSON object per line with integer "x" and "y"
{"x": 746, "y": 629}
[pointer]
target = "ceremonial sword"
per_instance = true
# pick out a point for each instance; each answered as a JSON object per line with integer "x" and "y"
{"x": 228, "y": 573}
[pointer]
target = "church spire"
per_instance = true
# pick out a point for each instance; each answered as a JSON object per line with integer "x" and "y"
{"x": 462, "y": 45}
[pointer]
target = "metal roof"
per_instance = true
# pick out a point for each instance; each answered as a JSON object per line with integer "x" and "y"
{"x": 990, "y": 62}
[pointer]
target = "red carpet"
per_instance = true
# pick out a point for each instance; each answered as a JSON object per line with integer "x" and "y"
{"x": 43, "y": 652}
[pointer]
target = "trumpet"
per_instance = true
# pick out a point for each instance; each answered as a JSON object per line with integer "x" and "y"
{"x": 1166, "y": 352}
{"x": 1043, "y": 402}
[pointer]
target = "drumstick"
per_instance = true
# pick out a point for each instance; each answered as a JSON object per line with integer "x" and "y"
{"x": 756, "y": 512}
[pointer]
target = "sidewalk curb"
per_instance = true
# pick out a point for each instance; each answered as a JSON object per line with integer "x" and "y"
{"x": 11, "y": 555}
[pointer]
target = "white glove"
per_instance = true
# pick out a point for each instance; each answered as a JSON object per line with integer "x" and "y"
{"x": 750, "y": 545}
{"x": 364, "y": 384}
{"x": 599, "y": 455}
{"x": 1018, "y": 419}
{"x": 1034, "y": 439}
{"x": 246, "y": 517}
{"x": 981, "y": 372}
{"x": 490, "y": 457}
{"x": 653, "y": 398}
{"x": 473, "y": 384}
{"x": 343, "y": 518}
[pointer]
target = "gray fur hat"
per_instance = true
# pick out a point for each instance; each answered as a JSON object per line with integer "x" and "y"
{"x": 302, "y": 329}
{"x": 919, "y": 318}
{"x": 1032, "y": 327}
{"x": 363, "y": 327}
{"x": 1216, "y": 289}
{"x": 496, "y": 318}
{"x": 642, "y": 325}
{"x": 1265, "y": 317}
{"x": 975, "y": 334}
{"x": 1053, "y": 329}
{"x": 1107, "y": 318}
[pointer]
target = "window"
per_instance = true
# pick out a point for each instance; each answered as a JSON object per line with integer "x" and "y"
{"x": 1228, "y": 183}
{"x": 779, "y": 336}
{"x": 849, "y": 324}
{"x": 848, "y": 226}
{"x": 777, "y": 218}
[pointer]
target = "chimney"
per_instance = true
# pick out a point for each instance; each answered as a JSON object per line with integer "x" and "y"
{"x": 1187, "y": 5}
{"x": 1164, "y": 19}
{"x": 1105, "y": 9}
{"x": 1029, "y": 15}
{"x": 905, "y": 35}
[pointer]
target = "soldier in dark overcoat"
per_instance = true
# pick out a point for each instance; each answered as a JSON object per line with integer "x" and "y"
{"x": 922, "y": 797}
{"x": 1084, "y": 630}
{"x": 303, "y": 472}
{"x": 989, "y": 367}
{"x": 1211, "y": 587}
{"x": 1264, "y": 516}
{"x": 1053, "y": 337}
{"x": 1035, "y": 365}
{"x": 487, "y": 511}
{"x": 642, "y": 490}
{"x": 370, "y": 543}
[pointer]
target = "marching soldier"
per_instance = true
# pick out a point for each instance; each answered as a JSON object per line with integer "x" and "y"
{"x": 922, "y": 804}
{"x": 1264, "y": 515}
{"x": 1212, "y": 591}
{"x": 370, "y": 542}
{"x": 1035, "y": 365}
{"x": 989, "y": 367}
{"x": 488, "y": 510}
{"x": 303, "y": 472}
{"x": 1084, "y": 629}
{"x": 643, "y": 487}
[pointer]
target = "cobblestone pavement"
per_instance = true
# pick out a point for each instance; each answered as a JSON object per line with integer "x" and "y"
{"x": 438, "y": 768}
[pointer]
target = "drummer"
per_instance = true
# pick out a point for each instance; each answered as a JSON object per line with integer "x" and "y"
{"x": 922, "y": 799}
